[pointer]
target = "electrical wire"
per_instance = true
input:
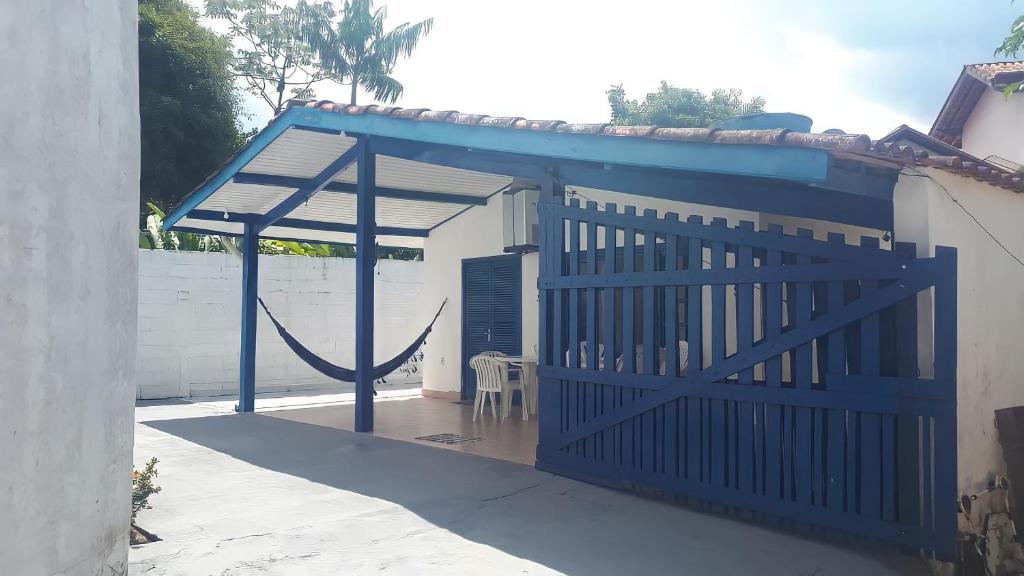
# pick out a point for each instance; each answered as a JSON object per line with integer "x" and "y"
{"x": 969, "y": 213}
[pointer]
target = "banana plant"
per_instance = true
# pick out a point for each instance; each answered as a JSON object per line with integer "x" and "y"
{"x": 154, "y": 237}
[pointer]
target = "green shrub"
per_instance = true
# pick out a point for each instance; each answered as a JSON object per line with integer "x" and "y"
{"x": 143, "y": 487}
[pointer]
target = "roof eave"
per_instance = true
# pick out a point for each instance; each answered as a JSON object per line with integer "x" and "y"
{"x": 958, "y": 98}
{"x": 806, "y": 165}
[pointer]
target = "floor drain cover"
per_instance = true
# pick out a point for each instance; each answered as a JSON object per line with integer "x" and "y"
{"x": 449, "y": 438}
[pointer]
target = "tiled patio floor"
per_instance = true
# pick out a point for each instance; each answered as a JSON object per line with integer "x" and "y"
{"x": 409, "y": 419}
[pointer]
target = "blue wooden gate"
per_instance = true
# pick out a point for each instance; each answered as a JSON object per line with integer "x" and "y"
{"x": 807, "y": 393}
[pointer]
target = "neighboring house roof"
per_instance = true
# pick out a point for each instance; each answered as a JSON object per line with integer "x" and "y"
{"x": 951, "y": 158}
{"x": 860, "y": 147}
{"x": 974, "y": 79}
{"x": 906, "y": 136}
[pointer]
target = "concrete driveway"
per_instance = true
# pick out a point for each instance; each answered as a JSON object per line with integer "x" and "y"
{"x": 254, "y": 494}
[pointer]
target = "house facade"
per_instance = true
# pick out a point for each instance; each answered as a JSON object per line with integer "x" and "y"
{"x": 758, "y": 316}
{"x": 979, "y": 118}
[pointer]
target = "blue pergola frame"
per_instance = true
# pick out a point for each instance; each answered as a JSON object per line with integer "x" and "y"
{"x": 801, "y": 182}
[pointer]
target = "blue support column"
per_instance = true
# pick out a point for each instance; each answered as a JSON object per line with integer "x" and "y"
{"x": 366, "y": 251}
{"x": 247, "y": 357}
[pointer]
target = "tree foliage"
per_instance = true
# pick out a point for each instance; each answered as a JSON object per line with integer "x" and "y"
{"x": 1014, "y": 41}
{"x": 154, "y": 237}
{"x": 280, "y": 46}
{"x": 361, "y": 53}
{"x": 188, "y": 104}
{"x": 674, "y": 107}
{"x": 1011, "y": 46}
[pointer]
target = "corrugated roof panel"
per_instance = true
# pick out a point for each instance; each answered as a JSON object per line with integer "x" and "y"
{"x": 414, "y": 214}
{"x": 341, "y": 208}
{"x": 411, "y": 175}
{"x": 300, "y": 153}
{"x": 245, "y": 198}
{"x": 327, "y": 207}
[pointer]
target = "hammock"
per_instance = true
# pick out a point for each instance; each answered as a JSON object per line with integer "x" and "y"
{"x": 345, "y": 374}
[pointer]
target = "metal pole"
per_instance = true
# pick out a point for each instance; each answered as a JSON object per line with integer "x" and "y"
{"x": 366, "y": 250}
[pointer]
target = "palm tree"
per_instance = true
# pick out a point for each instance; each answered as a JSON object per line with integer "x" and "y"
{"x": 361, "y": 53}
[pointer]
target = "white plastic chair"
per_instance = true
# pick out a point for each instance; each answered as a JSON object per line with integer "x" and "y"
{"x": 583, "y": 355}
{"x": 684, "y": 358}
{"x": 509, "y": 385}
{"x": 488, "y": 382}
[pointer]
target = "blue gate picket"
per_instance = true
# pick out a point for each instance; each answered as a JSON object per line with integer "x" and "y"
{"x": 695, "y": 342}
{"x": 805, "y": 404}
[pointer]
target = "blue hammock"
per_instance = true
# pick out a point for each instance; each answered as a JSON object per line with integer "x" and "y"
{"x": 346, "y": 374}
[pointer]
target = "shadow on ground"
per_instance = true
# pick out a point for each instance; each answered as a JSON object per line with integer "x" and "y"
{"x": 567, "y": 526}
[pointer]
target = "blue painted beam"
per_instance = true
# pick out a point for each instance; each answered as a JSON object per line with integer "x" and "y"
{"x": 213, "y": 215}
{"x": 366, "y": 256}
{"x": 313, "y": 186}
{"x": 319, "y": 130}
{"x": 872, "y": 208}
{"x": 869, "y": 205}
{"x": 333, "y": 227}
{"x": 247, "y": 356}
{"x": 265, "y": 236}
{"x": 347, "y": 188}
{"x": 780, "y": 162}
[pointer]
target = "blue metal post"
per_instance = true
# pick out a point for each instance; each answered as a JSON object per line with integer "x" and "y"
{"x": 366, "y": 251}
{"x": 247, "y": 357}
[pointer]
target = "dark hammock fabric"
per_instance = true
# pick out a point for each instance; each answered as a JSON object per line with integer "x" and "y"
{"x": 345, "y": 374}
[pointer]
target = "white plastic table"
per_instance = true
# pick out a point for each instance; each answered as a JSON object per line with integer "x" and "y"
{"x": 528, "y": 365}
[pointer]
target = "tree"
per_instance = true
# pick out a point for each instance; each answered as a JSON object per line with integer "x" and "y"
{"x": 1010, "y": 47}
{"x": 280, "y": 46}
{"x": 674, "y": 107}
{"x": 188, "y": 105}
{"x": 361, "y": 53}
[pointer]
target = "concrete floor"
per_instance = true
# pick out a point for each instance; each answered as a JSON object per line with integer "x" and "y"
{"x": 255, "y": 493}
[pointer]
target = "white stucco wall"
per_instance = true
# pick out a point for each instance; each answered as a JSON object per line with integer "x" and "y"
{"x": 990, "y": 312}
{"x": 994, "y": 127}
{"x": 190, "y": 317}
{"x": 69, "y": 186}
{"x": 475, "y": 233}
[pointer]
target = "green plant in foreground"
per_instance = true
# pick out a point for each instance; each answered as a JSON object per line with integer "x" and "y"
{"x": 143, "y": 487}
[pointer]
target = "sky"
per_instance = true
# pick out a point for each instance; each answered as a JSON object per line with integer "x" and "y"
{"x": 862, "y": 67}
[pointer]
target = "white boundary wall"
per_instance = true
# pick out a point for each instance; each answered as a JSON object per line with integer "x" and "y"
{"x": 190, "y": 320}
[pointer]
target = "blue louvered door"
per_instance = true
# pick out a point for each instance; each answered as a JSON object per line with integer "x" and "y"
{"x": 491, "y": 311}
